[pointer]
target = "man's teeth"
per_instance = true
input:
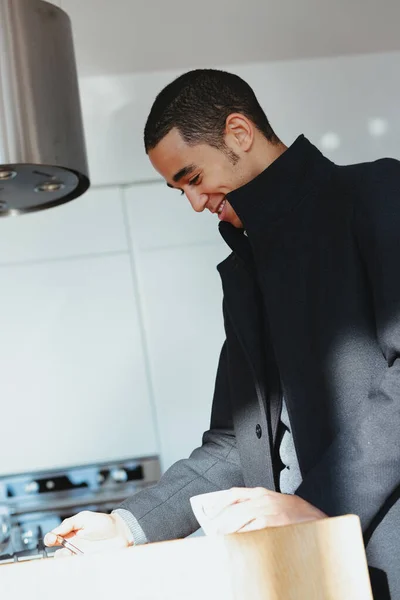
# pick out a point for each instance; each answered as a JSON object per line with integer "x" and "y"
{"x": 221, "y": 207}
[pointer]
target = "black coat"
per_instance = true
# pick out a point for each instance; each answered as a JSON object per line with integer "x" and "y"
{"x": 312, "y": 310}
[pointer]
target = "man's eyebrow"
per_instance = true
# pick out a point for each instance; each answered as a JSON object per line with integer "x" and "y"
{"x": 184, "y": 172}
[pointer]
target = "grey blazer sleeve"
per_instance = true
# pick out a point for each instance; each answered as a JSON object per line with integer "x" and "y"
{"x": 163, "y": 511}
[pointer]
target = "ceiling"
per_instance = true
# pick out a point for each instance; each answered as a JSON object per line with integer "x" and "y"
{"x": 125, "y": 36}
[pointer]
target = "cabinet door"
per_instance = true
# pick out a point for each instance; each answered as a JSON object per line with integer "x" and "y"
{"x": 176, "y": 253}
{"x": 183, "y": 321}
{"x": 88, "y": 225}
{"x": 73, "y": 385}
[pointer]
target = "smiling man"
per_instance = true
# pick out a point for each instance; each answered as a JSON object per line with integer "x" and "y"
{"x": 306, "y": 412}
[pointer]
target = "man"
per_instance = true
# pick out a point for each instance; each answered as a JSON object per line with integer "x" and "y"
{"x": 306, "y": 413}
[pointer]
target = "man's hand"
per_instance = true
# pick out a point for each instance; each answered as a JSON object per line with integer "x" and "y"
{"x": 91, "y": 532}
{"x": 247, "y": 509}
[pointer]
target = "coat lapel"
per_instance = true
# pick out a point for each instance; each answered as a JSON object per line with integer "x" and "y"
{"x": 242, "y": 317}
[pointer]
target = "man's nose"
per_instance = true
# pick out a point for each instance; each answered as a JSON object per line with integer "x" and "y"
{"x": 198, "y": 201}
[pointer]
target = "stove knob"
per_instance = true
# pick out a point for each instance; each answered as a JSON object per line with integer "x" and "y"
{"x": 119, "y": 475}
{"x": 29, "y": 538}
{"x": 5, "y": 528}
{"x": 102, "y": 476}
{"x": 32, "y": 487}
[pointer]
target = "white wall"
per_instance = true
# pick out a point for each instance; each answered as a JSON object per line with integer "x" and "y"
{"x": 111, "y": 306}
{"x": 74, "y": 385}
{"x": 314, "y": 97}
{"x": 176, "y": 254}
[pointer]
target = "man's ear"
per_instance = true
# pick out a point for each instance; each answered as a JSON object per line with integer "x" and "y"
{"x": 239, "y": 130}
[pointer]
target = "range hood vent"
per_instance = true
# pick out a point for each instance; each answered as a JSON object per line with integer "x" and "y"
{"x": 42, "y": 148}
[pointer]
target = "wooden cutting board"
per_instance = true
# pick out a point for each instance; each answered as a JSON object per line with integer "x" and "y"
{"x": 322, "y": 560}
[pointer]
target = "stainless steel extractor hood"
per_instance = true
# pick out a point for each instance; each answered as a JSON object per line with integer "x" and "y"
{"x": 42, "y": 147}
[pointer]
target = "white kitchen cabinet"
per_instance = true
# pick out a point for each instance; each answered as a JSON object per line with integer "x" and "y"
{"x": 176, "y": 252}
{"x": 90, "y": 224}
{"x": 182, "y": 309}
{"x": 73, "y": 384}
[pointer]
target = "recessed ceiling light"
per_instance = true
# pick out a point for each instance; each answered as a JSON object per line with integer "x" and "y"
{"x": 330, "y": 141}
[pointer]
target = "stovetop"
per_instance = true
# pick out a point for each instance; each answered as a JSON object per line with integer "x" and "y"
{"x": 38, "y": 552}
{"x": 33, "y": 504}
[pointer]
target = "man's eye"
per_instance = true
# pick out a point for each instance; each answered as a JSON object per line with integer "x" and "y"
{"x": 194, "y": 181}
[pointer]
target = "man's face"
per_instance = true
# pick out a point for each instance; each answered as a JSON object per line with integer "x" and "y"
{"x": 203, "y": 173}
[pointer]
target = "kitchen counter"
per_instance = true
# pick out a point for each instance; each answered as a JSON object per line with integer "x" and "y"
{"x": 324, "y": 560}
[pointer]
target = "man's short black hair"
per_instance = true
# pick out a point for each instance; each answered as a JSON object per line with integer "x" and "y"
{"x": 198, "y": 103}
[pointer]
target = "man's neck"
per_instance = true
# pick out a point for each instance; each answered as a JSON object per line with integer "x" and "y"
{"x": 265, "y": 153}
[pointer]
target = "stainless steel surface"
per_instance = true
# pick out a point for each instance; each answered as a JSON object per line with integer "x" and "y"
{"x": 66, "y": 544}
{"x": 5, "y": 527}
{"x": 42, "y": 148}
{"x": 35, "y": 503}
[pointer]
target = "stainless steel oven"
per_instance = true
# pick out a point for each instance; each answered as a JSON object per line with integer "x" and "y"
{"x": 34, "y": 503}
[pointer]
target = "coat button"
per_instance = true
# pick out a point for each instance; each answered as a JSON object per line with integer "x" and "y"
{"x": 258, "y": 431}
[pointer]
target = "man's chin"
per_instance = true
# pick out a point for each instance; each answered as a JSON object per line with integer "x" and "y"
{"x": 236, "y": 223}
{"x": 231, "y": 217}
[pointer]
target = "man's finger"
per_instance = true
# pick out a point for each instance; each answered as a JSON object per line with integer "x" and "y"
{"x": 263, "y": 522}
{"x": 234, "y": 518}
{"x": 67, "y": 527}
{"x": 71, "y": 524}
{"x": 51, "y": 540}
{"x": 218, "y": 502}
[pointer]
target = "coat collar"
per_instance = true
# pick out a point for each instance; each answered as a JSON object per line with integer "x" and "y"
{"x": 274, "y": 193}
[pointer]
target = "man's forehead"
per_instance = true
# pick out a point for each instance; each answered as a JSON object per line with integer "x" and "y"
{"x": 173, "y": 157}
